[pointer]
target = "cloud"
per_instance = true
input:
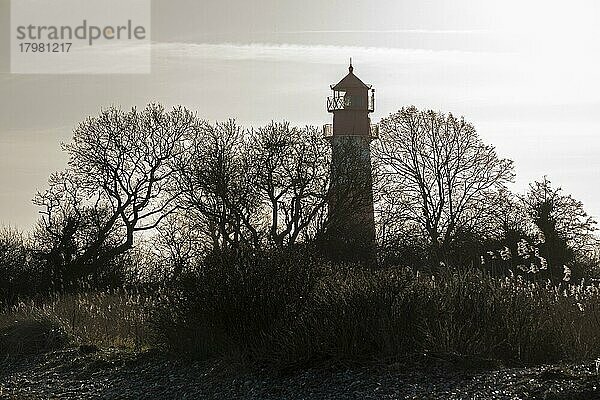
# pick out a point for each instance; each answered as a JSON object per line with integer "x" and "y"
{"x": 407, "y": 31}
{"x": 479, "y": 78}
{"x": 320, "y": 54}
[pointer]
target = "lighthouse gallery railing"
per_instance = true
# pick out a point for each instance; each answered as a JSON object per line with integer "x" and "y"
{"x": 335, "y": 103}
{"x": 328, "y": 131}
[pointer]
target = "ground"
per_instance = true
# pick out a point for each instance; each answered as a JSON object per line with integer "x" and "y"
{"x": 112, "y": 374}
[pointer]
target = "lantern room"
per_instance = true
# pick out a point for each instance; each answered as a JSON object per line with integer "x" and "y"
{"x": 351, "y": 102}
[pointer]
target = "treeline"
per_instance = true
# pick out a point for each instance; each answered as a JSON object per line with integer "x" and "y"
{"x": 157, "y": 192}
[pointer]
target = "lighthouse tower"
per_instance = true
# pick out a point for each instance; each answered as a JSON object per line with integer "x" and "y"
{"x": 351, "y": 225}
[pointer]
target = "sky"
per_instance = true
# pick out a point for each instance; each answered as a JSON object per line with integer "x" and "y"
{"x": 525, "y": 73}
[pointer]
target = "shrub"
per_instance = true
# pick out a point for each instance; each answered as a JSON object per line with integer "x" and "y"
{"x": 281, "y": 312}
{"x": 233, "y": 302}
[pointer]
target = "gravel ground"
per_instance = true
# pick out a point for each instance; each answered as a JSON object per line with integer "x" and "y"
{"x": 113, "y": 374}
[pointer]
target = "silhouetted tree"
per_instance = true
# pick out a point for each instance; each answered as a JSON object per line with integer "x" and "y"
{"x": 180, "y": 243}
{"x": 214, "y": 177}
{"x": 67, "y": 226}
{"x": 119, "y": 182}
{"x": 442, "y": 170}
{"x": 509, "y": 220}
{"x": 565, "y": 227}
{"x": 17, "y": 278}
{"x": 255, "y": 188}
{"x": 290, "y": 172}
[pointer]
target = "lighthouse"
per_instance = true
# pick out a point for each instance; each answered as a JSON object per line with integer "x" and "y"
{"x": 351, "y": 223}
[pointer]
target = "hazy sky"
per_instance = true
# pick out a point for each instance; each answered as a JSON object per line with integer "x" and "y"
{"x": 525, "y": 73}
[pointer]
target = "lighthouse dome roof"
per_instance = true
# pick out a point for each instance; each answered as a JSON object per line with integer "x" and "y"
{"x": 350, "y": 81}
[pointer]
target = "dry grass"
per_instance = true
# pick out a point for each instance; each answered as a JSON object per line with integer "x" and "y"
{"x": 111, "y": 319}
